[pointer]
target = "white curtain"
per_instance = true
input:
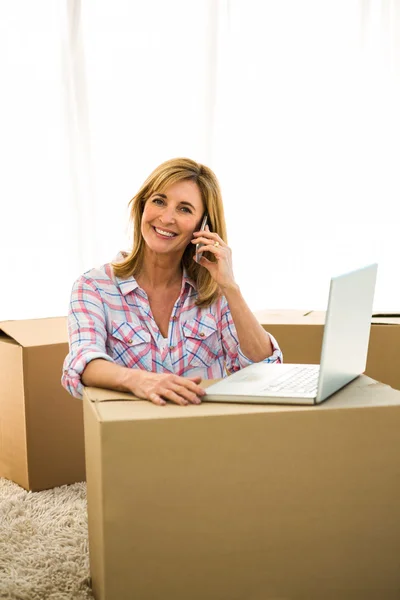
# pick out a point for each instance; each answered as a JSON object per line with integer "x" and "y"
{"x": 40, "y": 248}
{"x": 150, "y": 87}
{"x": 307, "y": 145}
{"x": 293, "y": 104}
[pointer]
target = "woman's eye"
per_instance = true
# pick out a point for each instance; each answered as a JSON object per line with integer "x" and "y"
{"x": 161, "y": 202}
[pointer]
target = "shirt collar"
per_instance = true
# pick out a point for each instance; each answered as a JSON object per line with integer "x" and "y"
{"x": 130, "y": 284}
{"x": 187, "y": 280}
{"x": 127, "y": 285}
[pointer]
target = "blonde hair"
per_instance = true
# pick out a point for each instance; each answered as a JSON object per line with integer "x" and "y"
{"x": 168, "y": 173}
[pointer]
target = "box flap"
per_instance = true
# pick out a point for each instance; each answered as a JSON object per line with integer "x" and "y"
{"x": 386, "y": 318}
{"x": 102, "y": 395}
{"x": 281, "y": 317}
{"x": 37, "y": 332}
{"x": 315, "y": 317}
{"x": 111, "y": 407}
{"x": 318, "y": 317}
{"x": 116, "y": 409}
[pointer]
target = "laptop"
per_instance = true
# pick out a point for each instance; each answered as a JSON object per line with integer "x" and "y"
{"x": 343, "y": 355}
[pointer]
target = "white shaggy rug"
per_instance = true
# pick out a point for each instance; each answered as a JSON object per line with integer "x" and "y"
{"x": 44, "y": 543}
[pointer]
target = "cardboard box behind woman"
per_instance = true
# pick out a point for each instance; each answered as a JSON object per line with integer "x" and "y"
{"x": 299, "y": 334}
{"x": 41, "y": 425}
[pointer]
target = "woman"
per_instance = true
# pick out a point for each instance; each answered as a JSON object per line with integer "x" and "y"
{"x": 156, "y": 322}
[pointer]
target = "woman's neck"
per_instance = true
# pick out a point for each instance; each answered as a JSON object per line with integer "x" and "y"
{"x": 159, "y": 274}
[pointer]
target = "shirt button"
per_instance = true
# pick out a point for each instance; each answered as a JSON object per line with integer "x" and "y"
{"x": 174, "y": 319}
{"x": 171, "y": 347}
{"x": 130, "y": 341}
{"x": 202, "y": 334}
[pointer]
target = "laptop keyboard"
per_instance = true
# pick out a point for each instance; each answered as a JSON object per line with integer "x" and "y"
{"x": 302, "y": 379}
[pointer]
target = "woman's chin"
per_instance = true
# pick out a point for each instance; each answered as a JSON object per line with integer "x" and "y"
{"x": 163, "y": 248}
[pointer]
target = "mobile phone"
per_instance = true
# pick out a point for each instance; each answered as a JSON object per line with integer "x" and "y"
{"x": 199, "y": 245}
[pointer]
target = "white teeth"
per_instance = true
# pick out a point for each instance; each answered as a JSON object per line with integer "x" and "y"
{"x": 166, "y": 233}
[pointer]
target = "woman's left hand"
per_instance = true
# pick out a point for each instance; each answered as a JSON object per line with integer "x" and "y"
{"x": 221, "y": 270}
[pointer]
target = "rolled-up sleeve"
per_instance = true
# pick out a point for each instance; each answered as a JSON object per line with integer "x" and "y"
{"x": 86, "y": 332}
{"x": 235, "y": 359}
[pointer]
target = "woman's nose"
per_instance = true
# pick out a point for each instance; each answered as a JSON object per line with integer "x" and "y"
{"x": 168, "y": 216}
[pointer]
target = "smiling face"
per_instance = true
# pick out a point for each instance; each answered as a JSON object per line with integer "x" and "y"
{"x": 171, "y": 216}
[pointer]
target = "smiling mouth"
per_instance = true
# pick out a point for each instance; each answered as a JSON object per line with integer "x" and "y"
{"x": 164, "y": 234}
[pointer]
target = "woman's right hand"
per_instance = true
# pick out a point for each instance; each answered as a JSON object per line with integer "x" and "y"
{"x": 159, "y": 387}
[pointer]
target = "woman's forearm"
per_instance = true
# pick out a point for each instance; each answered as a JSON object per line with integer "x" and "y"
{"x": 146, "y": 385}
{"x": 105, "y": 374}
{"x": 254, "y": 341}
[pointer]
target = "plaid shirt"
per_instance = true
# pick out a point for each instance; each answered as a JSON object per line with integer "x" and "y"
{"x": 110, "y": 318}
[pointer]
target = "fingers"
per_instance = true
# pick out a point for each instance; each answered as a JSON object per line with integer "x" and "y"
{"x": 211, "y": 243}
{"x": 174, "y": 397}
{"x": 216, "y": 250}
{"x": 181, "y": 396}
{"x": 190, "y": 384}
{"x": 179, "y": 390}
{"x": 156, "y": 399}
{"x": 210, "y": 239}
{"x": 187, "y": 394}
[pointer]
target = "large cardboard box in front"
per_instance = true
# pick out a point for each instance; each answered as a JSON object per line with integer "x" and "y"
{"x": 299, "y": 333}
{"x": 245, "y": 502}
{"x": 41, "y": 425}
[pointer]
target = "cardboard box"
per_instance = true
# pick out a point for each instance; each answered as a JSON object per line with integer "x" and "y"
{"x": 236, "y": 502}
{"x": 41, "y": 425}
{"x": 299, "y": 334}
